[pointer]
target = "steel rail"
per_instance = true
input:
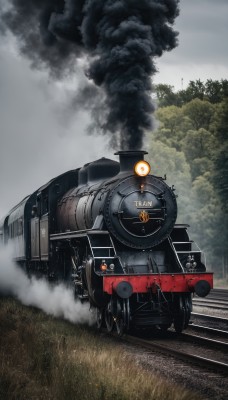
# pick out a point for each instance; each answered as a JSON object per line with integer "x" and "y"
{"x": 217, "y": 290}
{"x": 217, "y": 344}
{"x": 200, "y": 328}
{"x": 197, "y": 360}
{"x": 213, "y": 298}
{"x": 209, "y": 317}
{"x": 208, "y": 305}
{"x": 218, "y": 293}
{"x": 210, "y": 301}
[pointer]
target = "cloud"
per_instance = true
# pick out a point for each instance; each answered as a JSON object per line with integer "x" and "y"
{"x": 203, "y": 27}
{"x": 203, "y": 48}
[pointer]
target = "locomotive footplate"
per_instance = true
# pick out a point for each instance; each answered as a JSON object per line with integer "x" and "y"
{"x": 200, "y": 283}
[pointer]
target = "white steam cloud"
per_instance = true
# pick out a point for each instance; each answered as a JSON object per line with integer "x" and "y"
{"x": 56, "y": 300}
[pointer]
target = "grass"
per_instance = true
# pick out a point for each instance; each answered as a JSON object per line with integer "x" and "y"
{"x": 45, "y": 358}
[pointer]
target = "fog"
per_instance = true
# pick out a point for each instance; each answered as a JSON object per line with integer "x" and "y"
{"x": 56, "y": 300}
{"x": 40, "y": 135}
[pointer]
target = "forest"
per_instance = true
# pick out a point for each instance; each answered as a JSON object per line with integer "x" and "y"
{"x": 190, "y": 147}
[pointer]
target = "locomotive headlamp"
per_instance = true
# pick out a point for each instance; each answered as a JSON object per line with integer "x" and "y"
{"x": 103, "y": 266}
{"x": 142, "y": 168}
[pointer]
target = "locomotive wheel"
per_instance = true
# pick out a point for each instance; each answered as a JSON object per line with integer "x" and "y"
{"x": 120, "y": 318}
{"x": 109, "y": 321}
{"x": 120, "y": 326}
{"x": 180, "y": 315}
{"x": 99, "y": 318}
{"x": 123, "y": 316}
{"x": 179, "y": 323}
{"x": 188, "y": 308}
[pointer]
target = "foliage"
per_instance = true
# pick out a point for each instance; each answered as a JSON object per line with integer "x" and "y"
{"x": 199, "y": 113}
{"x": 165, "y": 160}
{"x": 165, "y": 95}
{"x": 213, "y": 91}
{"x": 191, "y": 146}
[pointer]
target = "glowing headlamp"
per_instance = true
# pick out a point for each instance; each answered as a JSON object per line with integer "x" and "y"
{"x": 142, "y": 168}
{"x": 103, "y": 266}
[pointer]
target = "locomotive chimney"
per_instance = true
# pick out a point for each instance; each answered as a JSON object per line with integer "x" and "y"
{"x": 128, "y": 159}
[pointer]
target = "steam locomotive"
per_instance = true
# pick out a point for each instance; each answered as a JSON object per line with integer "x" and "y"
{"x": 109, "y": 229}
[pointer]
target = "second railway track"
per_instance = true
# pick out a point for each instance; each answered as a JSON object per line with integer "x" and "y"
{"x": 211, "y": 321}
{"x": 211, "y": 331}
{"x": 217, "y": 299}
{"x": 199, "y": 352}
{"x": 219, "y": 305}
{"x": 198, "y": 357}
{"x": 211, "y": 354}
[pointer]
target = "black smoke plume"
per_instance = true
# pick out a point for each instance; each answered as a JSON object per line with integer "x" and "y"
{"x": 120, "y": 39}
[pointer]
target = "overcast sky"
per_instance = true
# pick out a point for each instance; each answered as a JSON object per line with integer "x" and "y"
{"x": 203, "y": 44}
{"x": 38, "y": 141}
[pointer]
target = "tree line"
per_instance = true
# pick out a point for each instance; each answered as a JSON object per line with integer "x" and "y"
{"x": 190, "y": 146}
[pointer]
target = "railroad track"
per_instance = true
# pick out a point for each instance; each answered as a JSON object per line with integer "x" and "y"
{"x": 212, "y": 331}
{"x": 218, "y": 294}
{"x": 222, "y": 323}
{"x": 195, "y": 346}
{"x": 205, "y": 356}
{"x": 187, "y": 357}
{"x": 217, "y": 299}
{"x": 216, "y": 304}
{"x": 203, "y": 341}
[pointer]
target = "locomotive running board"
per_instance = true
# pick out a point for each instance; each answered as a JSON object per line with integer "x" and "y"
{"x": 76, "y": 234}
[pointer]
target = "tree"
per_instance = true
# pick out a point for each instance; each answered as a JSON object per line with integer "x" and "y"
{"x": 207, "y": 221}
{"x": 198, "y": 147}
{"x": 191, "y": 145}
{"x": 224, "y": 84}
{"x": 213, "y": 91}
{"x": 200, "y": 113}
{"x": 165, "y": 95}
{"x": 172, "y": 125}
{"x": 165, "y": 160}
{"x": 196, "y": 90}
{"x": 220, "y": 121}
{"x": 220, "y": 157}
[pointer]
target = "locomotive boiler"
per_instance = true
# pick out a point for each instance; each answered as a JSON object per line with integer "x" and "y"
{"x": 109, "y": 229}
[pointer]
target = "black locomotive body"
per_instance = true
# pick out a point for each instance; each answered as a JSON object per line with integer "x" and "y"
{"x": 109, "y": 229}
